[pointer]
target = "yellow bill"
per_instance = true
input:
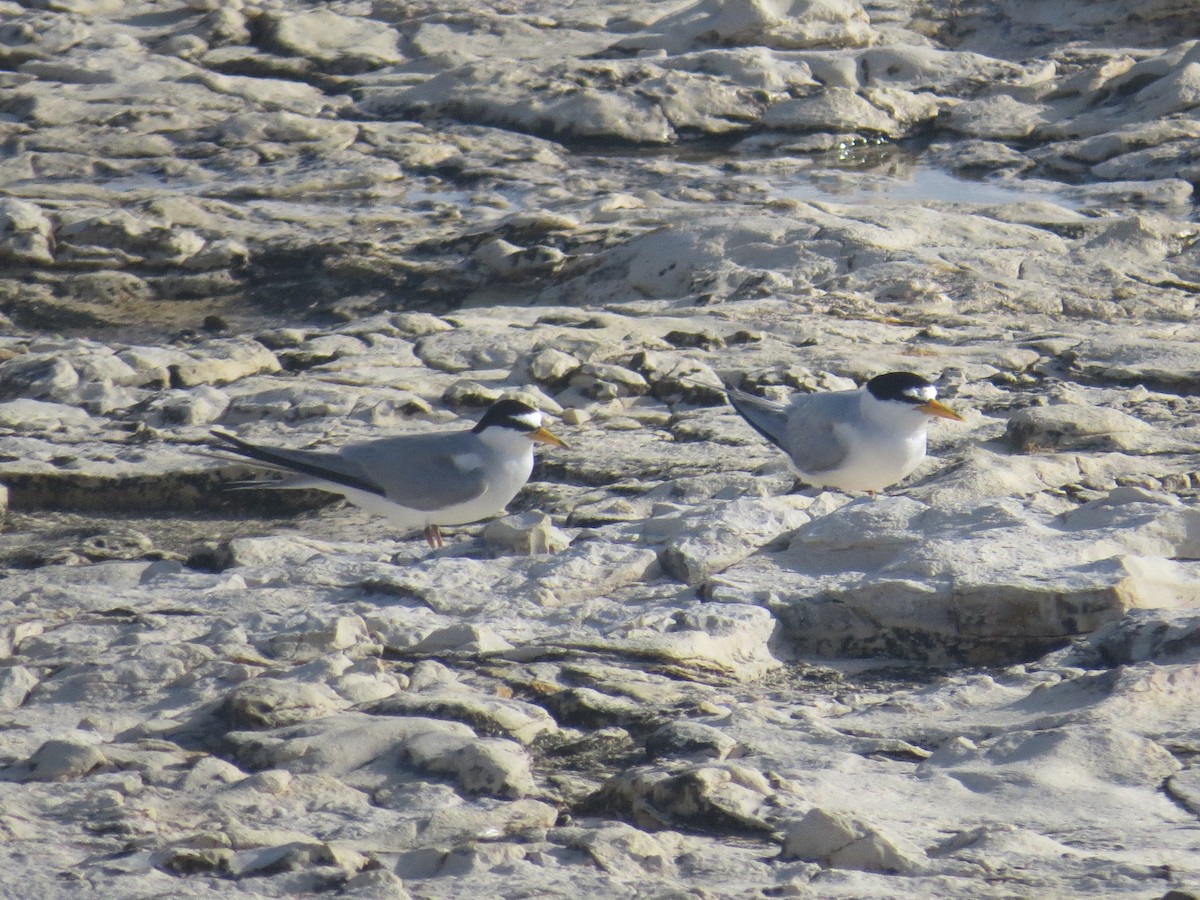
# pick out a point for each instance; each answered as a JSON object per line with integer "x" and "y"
{"x": 544, "y": 436}
{"x": 940, "y": 410}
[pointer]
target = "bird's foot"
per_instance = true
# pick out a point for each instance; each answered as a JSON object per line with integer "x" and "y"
{"x": 433, "y": 536}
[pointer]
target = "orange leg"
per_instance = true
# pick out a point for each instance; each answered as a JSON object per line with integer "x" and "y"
{"x": 433, "y": 536}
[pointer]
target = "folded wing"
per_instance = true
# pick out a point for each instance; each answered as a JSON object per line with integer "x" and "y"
{"x": 804, "y": 428}
{"x": 421, "y": 472}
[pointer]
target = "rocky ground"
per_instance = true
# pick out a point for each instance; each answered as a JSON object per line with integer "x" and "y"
{"x": 671, "y": 671}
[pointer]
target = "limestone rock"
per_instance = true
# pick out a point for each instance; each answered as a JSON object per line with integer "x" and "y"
{"x": 60, "y": 760}
{"x": 999, "y": 582}
{"x": 713, "y": 797}
{"x": 337, "y": 42}
{"x": 42, "y": 415}
{"x": 223, "y": 361}
{"x": 25, "y": 232}
{"x": 708, "y": 541}
{"x": 530, "y": 533}
{"x": 15, "y": 684}
{"x": 690, "y": 740}
{"x": 384, "y": 747}
{"x": 521, "y": 721}
{"x": 272, "y": 703}
{"x": 620, "y": 848}
{"x": 1066, "y": 426}
{"x": 37, "y": 377}
{"x": 844, "y": 842}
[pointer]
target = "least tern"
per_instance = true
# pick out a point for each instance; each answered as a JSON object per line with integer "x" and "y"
{"x": 858, "y": 440}
{"x": 419, "y": 480}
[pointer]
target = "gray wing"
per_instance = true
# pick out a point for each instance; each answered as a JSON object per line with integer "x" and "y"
{"x": 419, "y": 471}
{"x": 814, "y": 422}
{"x": 766, "y": 417}
{"x": 311, "y": 465}
{"x": 424, "y": 471}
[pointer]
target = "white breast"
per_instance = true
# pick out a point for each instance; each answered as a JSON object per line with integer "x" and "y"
{"x": 885, "y": 442}
{"x": 875, "y": 461}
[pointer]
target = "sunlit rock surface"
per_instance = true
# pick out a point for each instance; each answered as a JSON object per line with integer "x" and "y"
{"x": 669, "y": 669}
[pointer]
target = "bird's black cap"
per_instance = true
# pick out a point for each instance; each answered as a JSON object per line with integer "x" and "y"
{"x": 903, "y": 387}
{"x": 508, "y": 413}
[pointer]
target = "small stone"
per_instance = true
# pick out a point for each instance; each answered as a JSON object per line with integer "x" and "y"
{"x": 845, "y": 842}
{"x": 1066, "y": 426}
{"x": 470, "y": 393}
{"x": 15, "y": 684}
{"x": 194, "y": 860}
{"x": 689, "y": 740}
{"x": 493, "y": 766}
{"x": 37, "y": 415}
{"x": 466, "y": 637}
{"x": 223, "y": 361}
{"x": 272, "y": 703}
{"x": 576, "y": 416}
{"x": 62, "y": 760}
{"x": 274, "y": 782}
{"x": 37, "y": 378}
{"x": 522, "y": 721}
{"x": 375, "y": 884}
{"x": 553, "y": 367}
{"x": 605, "y": 381}
{"x": 528, "y": 532}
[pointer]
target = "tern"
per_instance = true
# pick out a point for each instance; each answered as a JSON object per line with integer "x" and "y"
{"x": 419, "y": 480}
{"x": 859, "y": 440}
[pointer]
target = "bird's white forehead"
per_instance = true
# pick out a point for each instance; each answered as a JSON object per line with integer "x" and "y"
{"x": 925, "y": 393}
{"x": 533, "y": 418}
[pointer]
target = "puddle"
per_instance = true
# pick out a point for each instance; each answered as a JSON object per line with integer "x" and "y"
{"x": 864, "y": 173}
{"x": 919, "y": 183}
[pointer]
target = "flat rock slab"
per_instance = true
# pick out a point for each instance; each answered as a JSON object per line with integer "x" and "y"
{"x": 895, "y": 576}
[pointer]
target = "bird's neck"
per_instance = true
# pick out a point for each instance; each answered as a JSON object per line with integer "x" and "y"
{"x": 506, "y": 442}
{"x": 897, "y": 417}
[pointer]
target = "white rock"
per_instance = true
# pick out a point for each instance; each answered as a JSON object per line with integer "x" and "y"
{"x": 710, "y": 539}
{"x": 483, "y": 765}
{"x": 589, "y": 570}
{"x": 936, "y": 586}
{"x": 61, "y": 760}
{"x": 272, "y": 703}
{"x": 223, "y": 361}
{"x": 845, "y": 842}
{"x": 531, "y": 533}
{"x": 464, "y": 638}
{"x": 28, "y": 414}
{"x": 25, "y": 232}
{"x": 15, "y": 684}
{"x": 1067, "y": 426}
{"x": 330, "y": 38}
{"x": 622, "y": 849}
{"x": 524, "y": 722}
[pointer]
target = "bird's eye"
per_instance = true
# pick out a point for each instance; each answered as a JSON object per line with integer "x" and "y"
{"x": 530, "y": 421}
{"x": 921, "y": 394}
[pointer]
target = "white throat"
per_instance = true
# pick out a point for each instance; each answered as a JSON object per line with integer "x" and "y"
{"x": 893, "y": 415}
{"x": 506, "y": 442}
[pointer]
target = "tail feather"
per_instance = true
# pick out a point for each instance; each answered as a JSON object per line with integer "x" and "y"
{"x": 766, "y": 417}
{"x": 307, "y": 469}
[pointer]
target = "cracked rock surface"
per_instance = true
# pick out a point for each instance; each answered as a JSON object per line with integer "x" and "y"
{"x": 669, "y": 669}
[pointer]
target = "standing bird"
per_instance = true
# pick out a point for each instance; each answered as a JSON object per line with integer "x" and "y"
{"x": 859, "y": 440}
{"x": 420, "y": 480}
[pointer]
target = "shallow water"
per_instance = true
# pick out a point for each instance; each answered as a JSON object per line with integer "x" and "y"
{"x": 918, "y": 183}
